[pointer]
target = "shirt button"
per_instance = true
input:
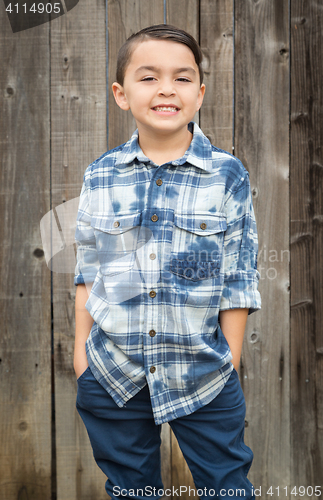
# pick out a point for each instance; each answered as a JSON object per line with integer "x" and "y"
{"x": 152, "y": 294}
{"x": 203, "y": 225}
{"x": 152, "y": 333}
{"x": 152, "y": 369}
{"x": 152, "y": 256}
{"x": 116, "y": 223}
{"x": 159, "y": 182}
{"x": 154, "y": 218}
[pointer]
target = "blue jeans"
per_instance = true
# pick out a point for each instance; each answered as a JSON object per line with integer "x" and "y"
{"x": 126, "y": 443}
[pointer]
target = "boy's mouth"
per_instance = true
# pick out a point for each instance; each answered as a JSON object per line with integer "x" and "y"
{"x": 169, "y": 109}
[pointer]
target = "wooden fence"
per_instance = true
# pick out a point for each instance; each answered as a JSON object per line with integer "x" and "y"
{"x": 263, "y": 74}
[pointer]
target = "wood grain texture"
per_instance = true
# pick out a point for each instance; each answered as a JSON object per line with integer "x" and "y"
{"x": 53, "y": 123}
{"x": 306, "y": 183}
{"x": 125, "y": 17}
{"x": 261, "y": 143}
{"x": 185, "y": 15}
{"x": 25, "y": 339}
{"x": 78, "y": 126}
{"x": 216, "y": 41}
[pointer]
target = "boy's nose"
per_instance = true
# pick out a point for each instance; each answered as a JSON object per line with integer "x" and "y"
{"x": 166, "y": 89}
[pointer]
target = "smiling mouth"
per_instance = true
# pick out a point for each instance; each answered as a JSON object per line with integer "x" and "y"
{"x": 166, "y": 108}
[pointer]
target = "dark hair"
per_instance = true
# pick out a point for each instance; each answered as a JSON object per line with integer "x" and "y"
{"x": 160, "y": 32}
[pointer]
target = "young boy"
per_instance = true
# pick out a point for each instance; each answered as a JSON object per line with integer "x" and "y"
{"x": 166, "y": 275}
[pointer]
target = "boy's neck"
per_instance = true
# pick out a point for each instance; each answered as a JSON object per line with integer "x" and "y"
{"x": 162, "y": 148}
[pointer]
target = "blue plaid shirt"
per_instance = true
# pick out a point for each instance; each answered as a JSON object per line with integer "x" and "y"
{"x": 166, "y": 247}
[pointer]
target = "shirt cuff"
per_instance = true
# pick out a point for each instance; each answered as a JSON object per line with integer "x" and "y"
{"x": 79, "y": 280}
{"x": 240, "y": 290}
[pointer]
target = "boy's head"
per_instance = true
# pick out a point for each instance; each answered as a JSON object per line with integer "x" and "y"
{"x": 157, "y": 32}
{"x": 159, "y": 77}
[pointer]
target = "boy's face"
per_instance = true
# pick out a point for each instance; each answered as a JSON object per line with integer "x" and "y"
{"x": 161, "y": 87}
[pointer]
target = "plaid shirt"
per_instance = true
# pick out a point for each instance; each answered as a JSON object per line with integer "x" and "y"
{"x": 166, "y": 247}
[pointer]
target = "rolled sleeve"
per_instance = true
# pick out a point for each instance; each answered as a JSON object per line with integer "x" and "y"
{"x": 240, "y": 252}
{"x": 87, "y": 263}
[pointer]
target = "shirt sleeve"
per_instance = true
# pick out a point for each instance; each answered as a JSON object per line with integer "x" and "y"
{"x": 240, "y": 251}
{"x": 87, "y": 263}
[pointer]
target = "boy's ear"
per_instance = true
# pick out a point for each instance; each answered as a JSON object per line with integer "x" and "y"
{"x": 120, "y": 96}
{"x": 200, "y": 97}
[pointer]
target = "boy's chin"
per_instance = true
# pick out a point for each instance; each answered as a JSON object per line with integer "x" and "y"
{"x": 162, "y": 127}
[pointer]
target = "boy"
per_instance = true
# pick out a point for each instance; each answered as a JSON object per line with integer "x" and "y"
{"x": 166, "y": 275}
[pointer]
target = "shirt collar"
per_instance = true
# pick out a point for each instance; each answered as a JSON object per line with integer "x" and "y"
{"x": 199, "y": 152}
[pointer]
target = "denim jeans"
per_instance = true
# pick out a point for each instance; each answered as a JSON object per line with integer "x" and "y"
{"x": 126, "y": 443}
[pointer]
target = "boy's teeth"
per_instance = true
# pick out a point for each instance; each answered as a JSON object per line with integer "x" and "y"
{"x": 164, "y": 108}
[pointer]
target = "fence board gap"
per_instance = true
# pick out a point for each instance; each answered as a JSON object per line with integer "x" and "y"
{"x": 261, "y": 143}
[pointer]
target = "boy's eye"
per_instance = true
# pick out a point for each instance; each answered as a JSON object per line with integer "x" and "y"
{"x": 150, "y": 78}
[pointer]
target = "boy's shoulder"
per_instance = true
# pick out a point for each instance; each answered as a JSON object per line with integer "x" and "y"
{"x": 229, "y": 165}
{"x": 215, "y": 159}
{"x": 107, "y": 157}
{"x": 222, "y": 154}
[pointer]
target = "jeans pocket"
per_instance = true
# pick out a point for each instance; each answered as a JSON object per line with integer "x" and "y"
{"x": 83, "y": 374}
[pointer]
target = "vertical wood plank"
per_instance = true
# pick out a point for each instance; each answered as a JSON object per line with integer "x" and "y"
{"x": 183, "y": 14}
{"x": 25, "y": 342}
{"x": 216, "y": 40}
{"x": 306, "y": 244}
{"x": 125, "y": 18}
{"x": 78, "y": 126}
{"x": 261, "y": 142}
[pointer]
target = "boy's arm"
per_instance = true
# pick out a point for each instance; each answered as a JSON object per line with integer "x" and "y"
{"x": 83, "y": 325}
{"x": 240, "y": 295}
{"x": 233, "y": 324}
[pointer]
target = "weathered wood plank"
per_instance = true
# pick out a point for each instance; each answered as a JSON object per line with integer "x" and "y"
{"x": 306, "y": 185}
{"x": 185, "y": 15}
{"x": 216, "y": 40}
{"x": 261, "y": 142}
{"x": 124, "y": 19}
{"x": 25, "y": 342}
{"x": 78, "y": 125}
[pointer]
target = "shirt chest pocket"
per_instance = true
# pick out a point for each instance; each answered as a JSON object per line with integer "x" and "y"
{"x": 117, "y": 240}
{"x": 197, "y": 245}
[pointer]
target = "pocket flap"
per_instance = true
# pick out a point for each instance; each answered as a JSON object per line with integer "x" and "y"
{"x": 203, "y": 224}
{"x": 116, "y": 223}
